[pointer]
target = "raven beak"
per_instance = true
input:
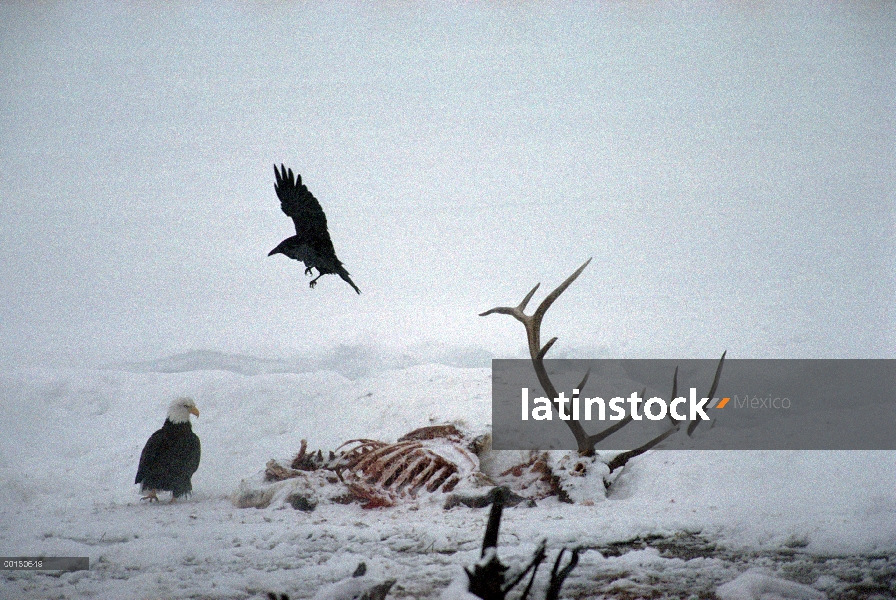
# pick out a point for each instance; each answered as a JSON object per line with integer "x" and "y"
{"x": 273, "y": 252}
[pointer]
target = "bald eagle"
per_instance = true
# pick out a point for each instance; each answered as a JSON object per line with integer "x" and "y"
{"x": 311, "y": 244}
{"x": 171, "y": 454}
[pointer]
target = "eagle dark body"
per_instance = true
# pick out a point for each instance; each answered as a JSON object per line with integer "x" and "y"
{"x": 311, "y": 244}
{"x": 169, "y": 459}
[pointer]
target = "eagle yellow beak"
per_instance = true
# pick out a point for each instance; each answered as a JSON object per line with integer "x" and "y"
{"x": 194, "y": 411}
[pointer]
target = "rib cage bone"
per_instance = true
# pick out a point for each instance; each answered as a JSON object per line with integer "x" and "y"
{"x": 386, "y": 471}
{"x": 428, "y": 460}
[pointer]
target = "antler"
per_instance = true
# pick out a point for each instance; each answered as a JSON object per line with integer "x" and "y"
{"x": 537, "y": 351}
{"x": 620, "y": 459}
{"x": 533, "y": 322}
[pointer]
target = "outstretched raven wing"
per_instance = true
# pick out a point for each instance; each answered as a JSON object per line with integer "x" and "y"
{"x": 311, "y": 244}
{"x": 301, "y": 206}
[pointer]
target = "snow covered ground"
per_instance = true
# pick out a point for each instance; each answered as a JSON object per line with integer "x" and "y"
{"x": 675, "y": 524}
{"x": 727, "y": 165}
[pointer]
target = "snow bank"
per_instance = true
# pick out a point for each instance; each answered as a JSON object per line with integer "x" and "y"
{"x": 70, "y": 441}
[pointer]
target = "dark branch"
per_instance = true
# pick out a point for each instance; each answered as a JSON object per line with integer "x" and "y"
{"x": 557, "y": 579}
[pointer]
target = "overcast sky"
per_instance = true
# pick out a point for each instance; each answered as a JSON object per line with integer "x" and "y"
{"x": 730, "y": 167}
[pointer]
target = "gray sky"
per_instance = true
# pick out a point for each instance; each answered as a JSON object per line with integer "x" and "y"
{"x": 730, "y": 167}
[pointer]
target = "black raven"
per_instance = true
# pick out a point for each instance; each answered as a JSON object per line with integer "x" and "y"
{"x": 311, "y": 244}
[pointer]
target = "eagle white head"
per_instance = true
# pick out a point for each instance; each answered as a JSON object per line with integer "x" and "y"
{"x": 181, "y": 409}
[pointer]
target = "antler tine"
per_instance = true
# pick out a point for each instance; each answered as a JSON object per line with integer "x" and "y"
{"x": 582, "y": 383}
{"x": 715, "y": 381}
{"x": 513, "y": 311}
{"x": 546, "y": 303}
{"x": 674, "y": 394}
{"x": 712, "y": 390}
{"x": 620, "y": 459}
{"x": 528, "y": 297}
{"x": 546, "y": 347}
{"x": 599, "y": 437}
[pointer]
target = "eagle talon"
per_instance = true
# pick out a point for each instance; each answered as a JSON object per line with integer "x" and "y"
{"x": 150, "y": 497}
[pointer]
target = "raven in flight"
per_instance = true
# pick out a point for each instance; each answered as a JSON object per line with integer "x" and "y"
{"x": 311, "y": 244}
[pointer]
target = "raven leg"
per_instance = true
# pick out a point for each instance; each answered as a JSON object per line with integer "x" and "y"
{"x": 314, "y": 281}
